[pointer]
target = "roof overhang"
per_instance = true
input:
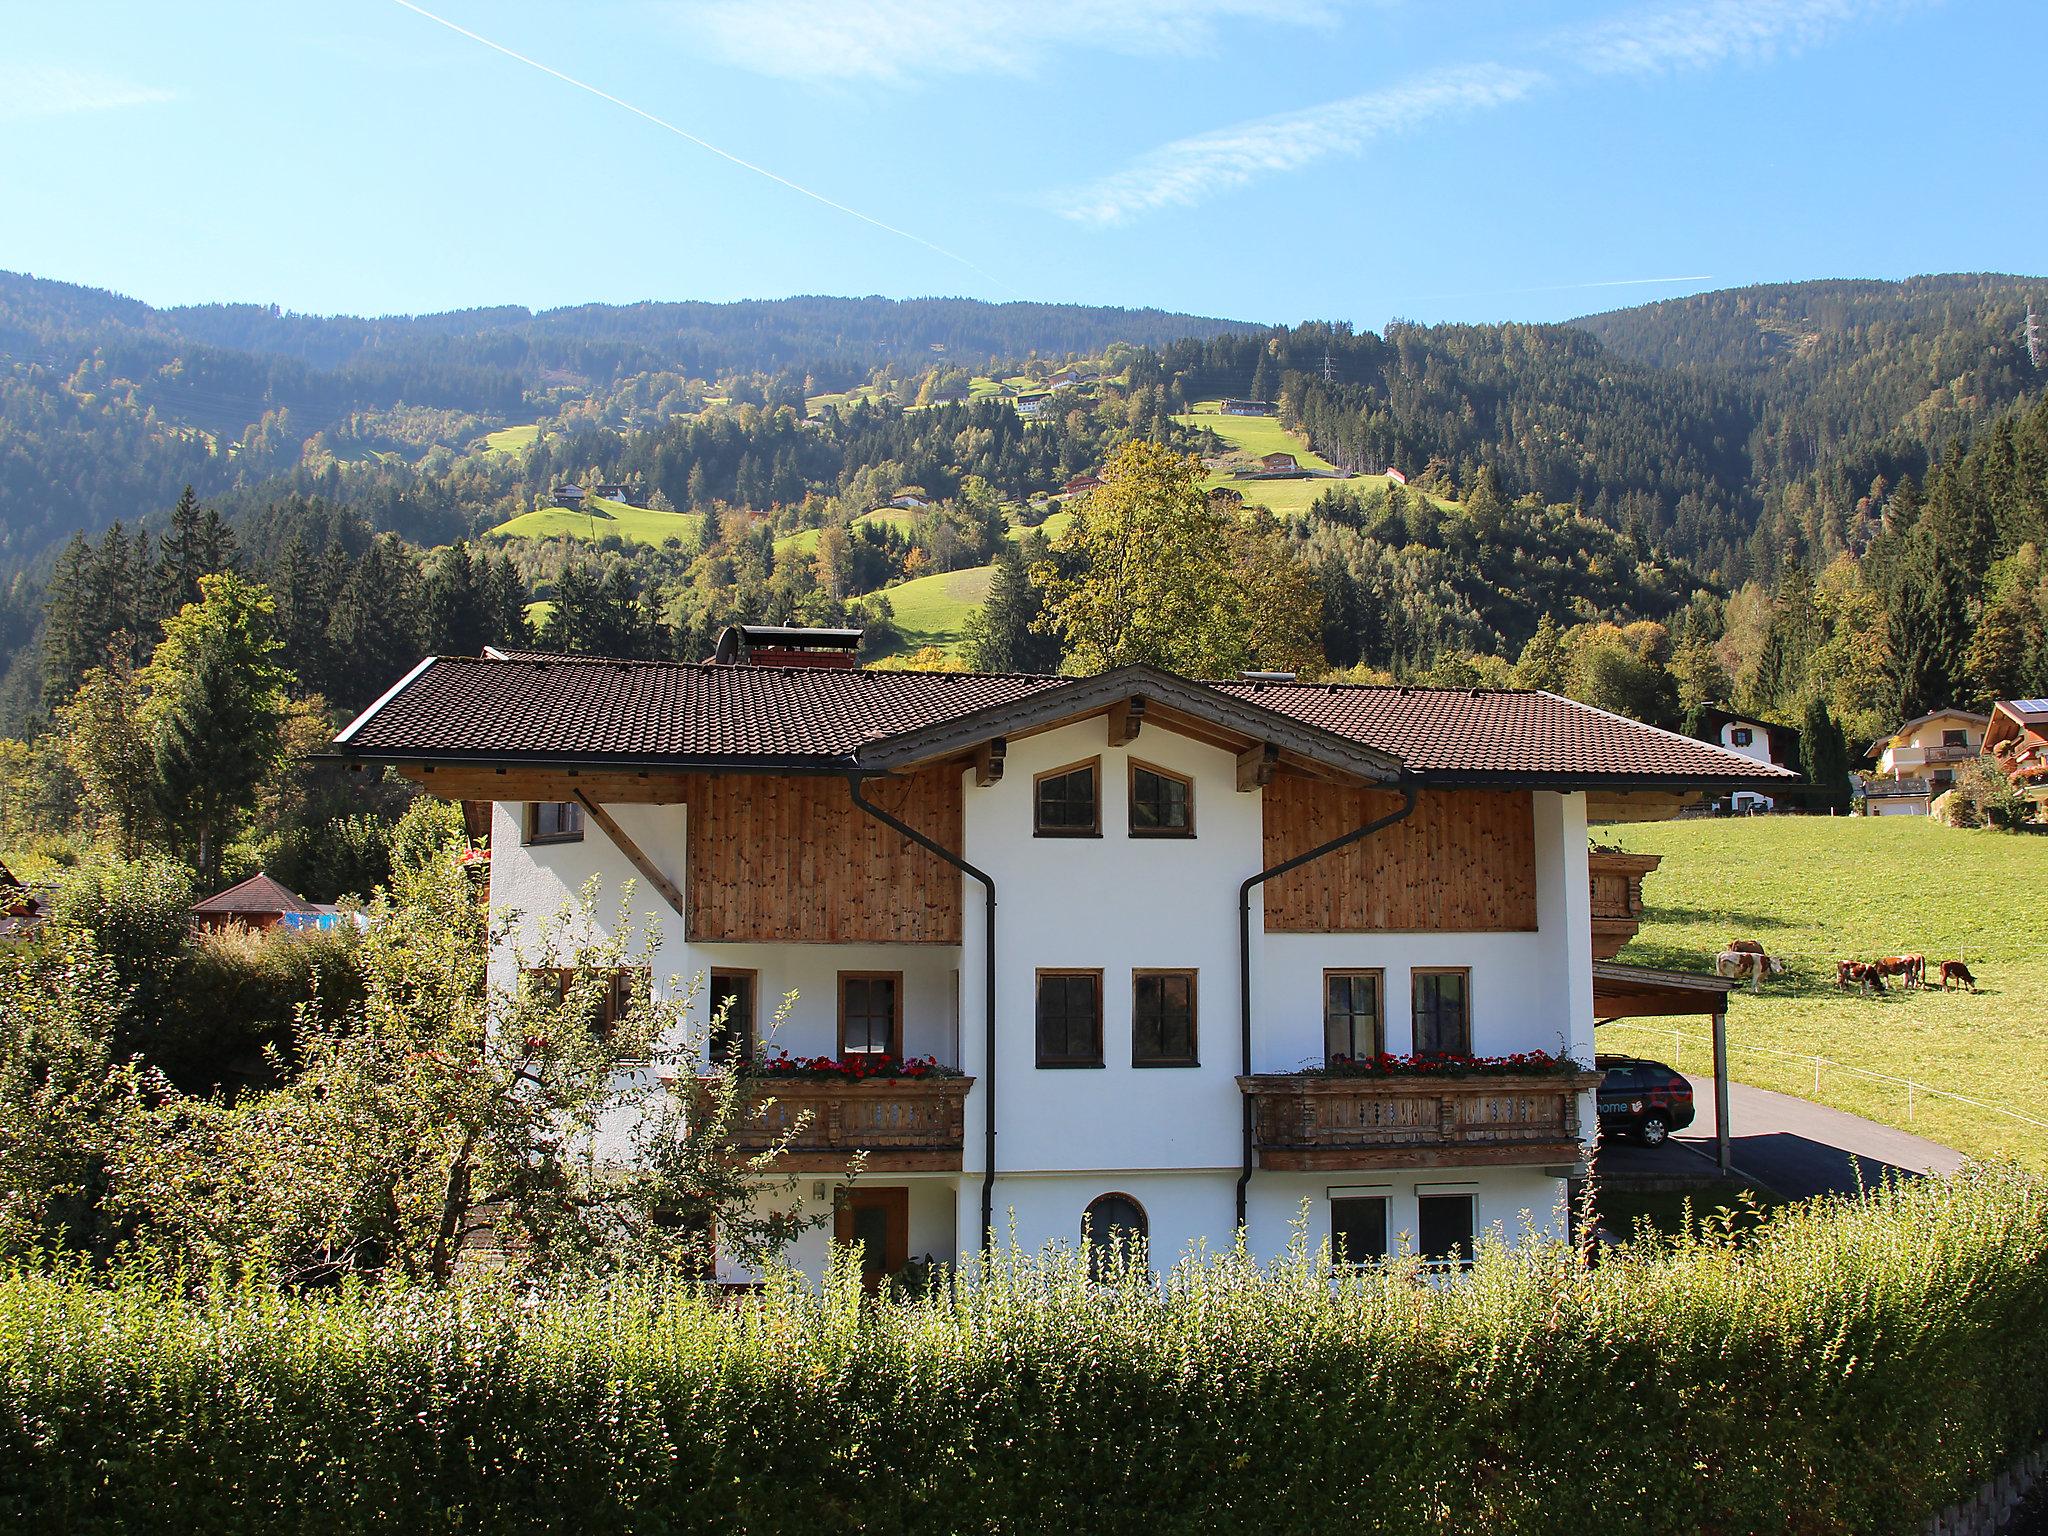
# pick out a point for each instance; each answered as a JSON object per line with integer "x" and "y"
{"x": 1172, "y": 702}
{"x": 1638, "y": 991}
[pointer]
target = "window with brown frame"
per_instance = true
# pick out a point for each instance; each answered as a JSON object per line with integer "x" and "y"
{"x": 1070, "y": 1018}
{"x": 1162, "y": 802}
{"x": 1353, "y": 1018}
{"x": 870, "y": 1013}
{"x": 732, "y": 1015}
{"x": 1067, "y": 802}
{"x": 616, "y": 993}
{"x": 554, "y": 821}
{"x": 1163, "y": 1019}
{"x": 1443, "y": 1012}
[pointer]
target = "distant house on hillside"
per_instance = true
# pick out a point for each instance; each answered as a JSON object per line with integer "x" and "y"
{"x": 1081, "y": 485}
{"x": 1279, "y": 463}
{"x": 1034, "y": 404}
{"x": 609, "y": 490}
{"x": 1758, "y": 740}
{"x": 1396, "y": 476}
{"x": 259, "y": 903}
{"x": 910, "y": 498}
{"x": 1917, "y": 763}
{"x": 1246, "y": 408}
{"x": 569, "y": 497}
{"x": 2017, "y": 740}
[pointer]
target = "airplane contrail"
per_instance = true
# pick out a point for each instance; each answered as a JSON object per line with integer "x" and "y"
{"x": 703, "y": 144}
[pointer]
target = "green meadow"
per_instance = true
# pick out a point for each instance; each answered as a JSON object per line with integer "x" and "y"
{"x": 1813, "y": 890}
{"x": 601, "y": 518}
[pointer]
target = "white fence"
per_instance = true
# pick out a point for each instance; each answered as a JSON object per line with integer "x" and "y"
{"x": 1915, "y": 1091}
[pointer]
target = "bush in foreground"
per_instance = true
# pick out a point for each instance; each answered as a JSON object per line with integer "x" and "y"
{"x": 1848, "y": 1367}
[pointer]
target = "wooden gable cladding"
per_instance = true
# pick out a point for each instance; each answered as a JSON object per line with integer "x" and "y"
{"x": 792, "y": 859}
{"x": 1463, "y": 862}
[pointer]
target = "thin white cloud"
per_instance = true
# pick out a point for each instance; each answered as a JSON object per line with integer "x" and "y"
{"x": 54, "y": 90}
{"x": 899, "y": 40}
{"x": 1708, "y": 32}
{"x": 1192, "y": 170}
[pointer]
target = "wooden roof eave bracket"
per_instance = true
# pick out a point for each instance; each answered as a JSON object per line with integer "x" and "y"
{"x": 670, "y": 893}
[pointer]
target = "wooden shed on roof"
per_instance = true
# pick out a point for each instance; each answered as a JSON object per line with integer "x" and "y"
{"x": 258, "y": 902}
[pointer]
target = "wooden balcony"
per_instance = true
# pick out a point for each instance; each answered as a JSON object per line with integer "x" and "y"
{"x": 904, "y": 1125}
{"x": 1310, "y": 1124}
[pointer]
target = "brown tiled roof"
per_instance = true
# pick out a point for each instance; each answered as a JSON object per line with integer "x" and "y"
{"x": 634, "y": 710}
{"x": 1478, "y": 733}
{"x": 543, "y": 707}
{"x": 257, "y": 894}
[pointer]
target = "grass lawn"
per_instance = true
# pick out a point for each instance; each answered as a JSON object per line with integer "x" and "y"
{"x": 933, "y": 610}
{"x": 511, "y": 439}
{"x": 636, "y": 525}
{"x": 539, "y": 611}
{"x": 1257, "y": 435}
{"x": 803, "y": 542}
{"x": 1817, "y": 889}
{"x": 1054, "y": 525}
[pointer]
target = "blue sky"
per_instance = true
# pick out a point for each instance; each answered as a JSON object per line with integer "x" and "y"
{"x": 1270, "y": 160}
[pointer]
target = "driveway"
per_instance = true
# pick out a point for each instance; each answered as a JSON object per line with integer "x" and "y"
{"x": 1794, "y": 1149}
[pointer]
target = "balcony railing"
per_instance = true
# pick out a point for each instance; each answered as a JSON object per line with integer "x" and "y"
{"x": 1314, "y": 1124}
{"x": 904, "y": 1125}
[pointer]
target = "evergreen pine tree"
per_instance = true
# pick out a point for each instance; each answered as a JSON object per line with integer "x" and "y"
{"x": 1929, "y": 631}
{"x": 181, "y": 557}
{"x": 1001, "y": 636}
{"x": 1824, "y": 758}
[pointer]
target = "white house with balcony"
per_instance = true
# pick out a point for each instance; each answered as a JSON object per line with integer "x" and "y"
{"x": 1193, "y": 956}
{"x": 1917, "y": 763}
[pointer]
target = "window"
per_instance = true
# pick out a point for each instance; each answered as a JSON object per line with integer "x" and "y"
{"x": 1162, "y": 803}
{"x": 1067, "y": 802}
{"x": 554, "y": 821}
{"x": 1115, "y": 1229}
{"x": 1740, "y": 736}
{"x": 1358, "y": 1228}
{"x": 870, "y": 1013}
{"x": 1351, "y": 1016}
{"x": 732, "y": 1015}
{"x": 616, "y": 993}
{"x": 1163, "y": 1019}
{"x": 1070, "y": 1018}
{"x": 1443, "y": 1014}
{"x": 1955, "y": 738}
{"x": 1445, "y": 1223}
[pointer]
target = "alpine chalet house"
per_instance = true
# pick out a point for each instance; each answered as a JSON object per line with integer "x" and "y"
{"x": 1167, "y": 933}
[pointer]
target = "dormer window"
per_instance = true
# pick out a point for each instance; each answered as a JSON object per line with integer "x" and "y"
{"x": 1162, "y": 803}
{"x": 1067, "y": 802}
{"x": 1740, "y": 736}
{"x": 554, "y": 821}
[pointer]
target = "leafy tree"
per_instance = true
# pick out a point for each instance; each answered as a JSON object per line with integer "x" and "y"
{"x": 217, "y": 705}
{"x": 111, "y": 747}
{"x": 1544, "y": 661}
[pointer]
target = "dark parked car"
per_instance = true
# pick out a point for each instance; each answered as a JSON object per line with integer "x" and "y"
{"x": 1643, "y": 1099}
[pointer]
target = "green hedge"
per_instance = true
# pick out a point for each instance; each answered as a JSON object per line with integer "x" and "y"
{"x": 1845, "y": 1367}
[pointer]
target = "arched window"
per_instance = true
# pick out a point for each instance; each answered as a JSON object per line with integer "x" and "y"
{"x": 1113, "y": 1226}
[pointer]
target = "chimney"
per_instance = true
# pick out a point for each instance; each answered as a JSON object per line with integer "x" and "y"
{"x": 779, "y": 645}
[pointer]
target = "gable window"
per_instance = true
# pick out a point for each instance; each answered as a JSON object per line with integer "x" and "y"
{"x": 1351, "y": 1016}
{"x": 1741, "y": 736}
{"x": 1443, "y": 1013}
{"x": 1163, "y": 1019}
{"x": 1358, "y": 1228}
{"x": 1115, "y": 1229}
{"x": 1445, "y": 1228}
{"x": 1067, "y": 802}
{"x": 554, "y": 821}
{"x": 870, "y": 1013}
{"x": 1955, "y": 738}
{"x": 732, "y": 1015}
{"x": 1162, "y": 803}
{"x": 1070, "y": 1018}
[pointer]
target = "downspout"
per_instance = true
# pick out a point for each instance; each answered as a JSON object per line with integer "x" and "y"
{"x": 988, "y": 1074}
{"x": 1244, "y": 957}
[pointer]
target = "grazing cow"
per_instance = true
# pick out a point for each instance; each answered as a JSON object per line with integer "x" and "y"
{"x": 1957, "y": 972}
{"x": 1743, "y": 947}
{"x": 1864, "y": 976}
{"x": 1754, "y": 964}
{"x": 1911, "y": 969}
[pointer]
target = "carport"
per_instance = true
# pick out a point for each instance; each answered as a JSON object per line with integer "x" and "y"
{"x": 1640, "y": 991}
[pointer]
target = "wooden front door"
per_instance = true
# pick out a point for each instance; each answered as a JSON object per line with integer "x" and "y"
{"x": 879, "y": 1220}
